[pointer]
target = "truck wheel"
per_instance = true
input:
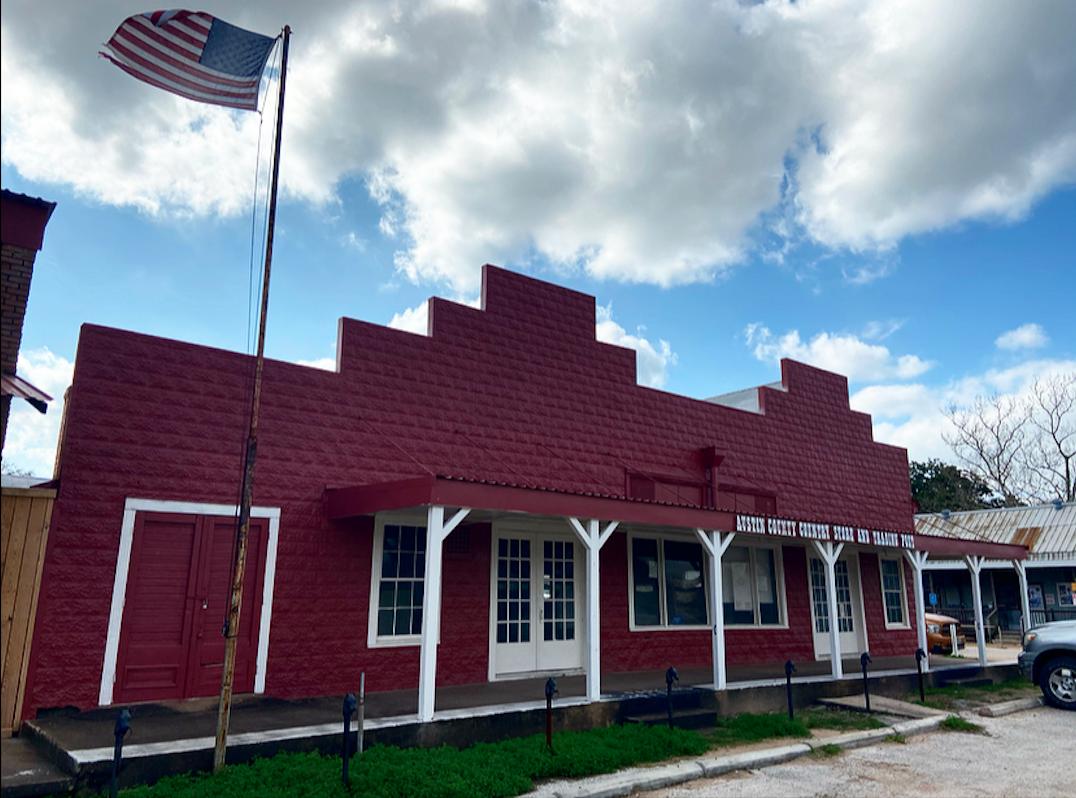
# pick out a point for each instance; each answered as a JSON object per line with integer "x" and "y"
{"x": 1058, "y": 682}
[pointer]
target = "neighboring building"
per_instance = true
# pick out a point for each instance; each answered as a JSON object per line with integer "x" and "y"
{"x": 1049, "y": 573}
{"x": 23, "y": 220}
{"x": 27, "y": 505}
{"x": 501, "y": 487}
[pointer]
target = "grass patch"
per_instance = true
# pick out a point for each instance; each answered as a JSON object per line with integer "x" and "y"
{"x": 827, "y": 750}
{"x": 487, "y": 770}
{"x": 951, "y": 696}
{"x": 957, "y": 723}
{"x": 750, "y": 728}
{"x": 895, "y": 738}
{"x": 839, "y": 720}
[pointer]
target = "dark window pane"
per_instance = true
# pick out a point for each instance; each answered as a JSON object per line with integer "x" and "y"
{"x": 384, "y": 622}
{"x": 416, "y": 621}
{"x": 407, "y": 566}
{"x": 513, "y": 633}
{"x": 685, "y": 592}
{"x": 502, "y": 633}
{"x": 525, "y": 633}
{"x": 645, "y": 577}
{"x": 386, "y": 596}
{"x": 407, "y": 538}
{"x": 390, "y": 563}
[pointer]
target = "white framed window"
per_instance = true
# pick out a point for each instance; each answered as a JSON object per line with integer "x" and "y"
{"x": 752, "y": 586}
{"x": 397, "y": 582}
{"x": 668, "y": 581}
{"x": 894, "y": 601}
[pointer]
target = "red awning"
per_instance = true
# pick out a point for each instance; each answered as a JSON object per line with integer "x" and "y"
{"x": 346, "y": 502}
{"x": 17, "y": 386}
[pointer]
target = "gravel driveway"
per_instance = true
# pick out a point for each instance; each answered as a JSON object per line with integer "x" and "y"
{"x": 1030, "y": 753}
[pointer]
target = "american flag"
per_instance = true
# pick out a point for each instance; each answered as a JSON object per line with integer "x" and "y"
{"x": 192, "y": 54}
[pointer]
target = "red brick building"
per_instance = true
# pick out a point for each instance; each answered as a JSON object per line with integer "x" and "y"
{"x": 497, "y": 498}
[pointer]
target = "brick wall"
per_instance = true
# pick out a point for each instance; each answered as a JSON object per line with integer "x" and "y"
{"x": 17, "y": 268}
{"x": 520, "y": 392}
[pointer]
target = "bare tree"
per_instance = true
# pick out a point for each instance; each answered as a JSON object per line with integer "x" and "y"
{"x": 1025, "y": 449}
{"x": 1050, "y": 460}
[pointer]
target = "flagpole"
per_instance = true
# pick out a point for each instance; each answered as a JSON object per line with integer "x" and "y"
{"x": 235, "y": 603}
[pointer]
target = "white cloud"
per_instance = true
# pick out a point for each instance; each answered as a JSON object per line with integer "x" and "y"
{"x": 326, "y": 363}
{"x": 651, "y": 363}
{"x": 413, "y": 320}
{"x": 640, "y": 142}
{"x": 31, "y": 436}
{"x": 844, "y": 354}
{"x": 1028, "y": 336}
{"x": 912, "y": 415}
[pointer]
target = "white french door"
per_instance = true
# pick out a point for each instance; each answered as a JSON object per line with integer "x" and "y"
{"x": 849, "y": 607}
{"x": 537, "y": 602}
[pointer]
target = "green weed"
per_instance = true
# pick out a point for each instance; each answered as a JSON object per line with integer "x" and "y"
{"x": 749, "y": 728}
{"x": 486, "y": 770}
{"x": 957, "y": 723}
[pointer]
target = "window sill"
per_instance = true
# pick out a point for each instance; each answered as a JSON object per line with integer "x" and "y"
{"x": 395, "y": 642}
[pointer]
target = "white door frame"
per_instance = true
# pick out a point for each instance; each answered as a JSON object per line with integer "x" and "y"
{"x": 537, "y": 534}
{"x": 855, "y": 587}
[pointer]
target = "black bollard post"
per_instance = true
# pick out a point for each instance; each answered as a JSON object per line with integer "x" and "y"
{"x": 920, "y": 655}
{"x": 790, "y": 668}
{"x": 123, "y": 725}
{"x": 550, "y": 689}
{"x": 349, "y": 710}
{"x": 671, "y": 676}
{"x": 865, "y": 660}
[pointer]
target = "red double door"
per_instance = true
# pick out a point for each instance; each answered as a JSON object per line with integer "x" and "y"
{"x": 178, "y": 585}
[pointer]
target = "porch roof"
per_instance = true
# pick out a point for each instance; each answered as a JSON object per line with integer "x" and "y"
{"x": 445, "y": 491}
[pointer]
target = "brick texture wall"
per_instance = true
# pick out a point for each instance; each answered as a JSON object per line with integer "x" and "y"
{"x": 520, "y": 392}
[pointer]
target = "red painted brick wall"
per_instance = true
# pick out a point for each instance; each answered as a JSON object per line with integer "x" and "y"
{"x": 886, "y": 642}
{"x": 520, "y": 392}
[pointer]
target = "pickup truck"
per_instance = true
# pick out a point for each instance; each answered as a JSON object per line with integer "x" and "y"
{"x": 1049, "y": 660}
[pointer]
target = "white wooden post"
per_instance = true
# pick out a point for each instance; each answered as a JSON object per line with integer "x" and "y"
{"x": 1025, "y": 603}
{"x": 975, "y": 566}
{"x": 436, "y": 532}
{"x": 716, "y": 545}
{"x": 829, "y": 554}
{"x": 918, "y": 559}
{"x": 593, "y": 539}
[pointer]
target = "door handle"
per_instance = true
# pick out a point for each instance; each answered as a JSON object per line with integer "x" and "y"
{"x": 205, "y": 604}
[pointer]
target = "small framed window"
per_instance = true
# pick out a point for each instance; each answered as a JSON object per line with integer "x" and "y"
{"x": 893, "y": 598}
{"x": 397, "y": 583}
{"x": 752, "y": 586}
{"x": 668, "y": 583}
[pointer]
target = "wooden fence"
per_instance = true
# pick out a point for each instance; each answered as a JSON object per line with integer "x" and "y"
{"x": 25, "y": 515}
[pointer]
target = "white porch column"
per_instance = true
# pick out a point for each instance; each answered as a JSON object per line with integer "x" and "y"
{"x": 975, "y": 566}
{"x": 918, "y": 559}
{"x": 829, "y": 554}
{"x": 436, "y": 532}
{"x": 716, "y": 545}
{"x": 593, "y": 539}
{"x": 1025, "y": 603}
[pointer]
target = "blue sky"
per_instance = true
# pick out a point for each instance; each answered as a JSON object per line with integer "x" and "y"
{"x": 836, "y": 182}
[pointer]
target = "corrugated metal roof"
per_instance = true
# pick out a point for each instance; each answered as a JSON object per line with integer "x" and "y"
{"x": 17, "y": 386}
{"x": 1046, "y": 530}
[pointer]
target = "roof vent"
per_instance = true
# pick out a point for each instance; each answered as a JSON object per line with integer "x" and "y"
{"x": 945, "y": 514}
{"x": 1058, "y": 504}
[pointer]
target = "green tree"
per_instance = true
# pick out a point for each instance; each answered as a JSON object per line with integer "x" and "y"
{"x": 938, "y": 486}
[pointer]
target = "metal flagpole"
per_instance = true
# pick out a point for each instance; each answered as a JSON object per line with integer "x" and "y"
{"x": 234, "y": 605}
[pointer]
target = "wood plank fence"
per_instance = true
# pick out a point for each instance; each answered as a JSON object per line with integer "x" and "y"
{"x": 25, "y": 515}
